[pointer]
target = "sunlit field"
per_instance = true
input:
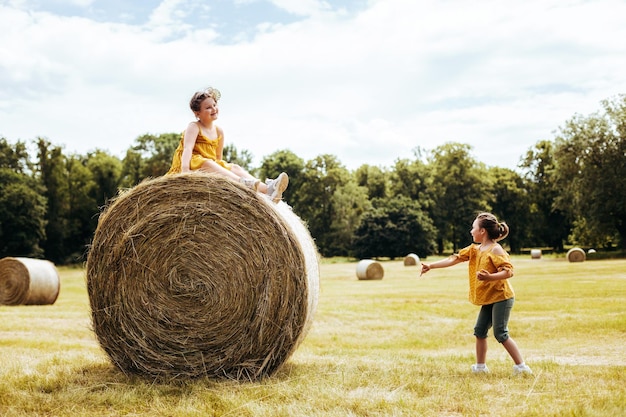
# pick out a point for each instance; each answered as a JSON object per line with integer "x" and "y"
{"x": 401, "y": 346}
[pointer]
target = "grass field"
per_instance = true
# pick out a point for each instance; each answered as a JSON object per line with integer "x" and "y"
{"x": 401, "y": 346}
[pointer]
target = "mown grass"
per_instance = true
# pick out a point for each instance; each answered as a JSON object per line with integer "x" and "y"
{"x": 401, "y": 346}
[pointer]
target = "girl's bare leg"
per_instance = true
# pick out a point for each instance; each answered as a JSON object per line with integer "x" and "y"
{"x": 214, "y": 167}
{"x": 236, "y": 173}
{"x": 481, "y": 350}
{"x": 511, "y": 347}
{"x": 242, "y": 173}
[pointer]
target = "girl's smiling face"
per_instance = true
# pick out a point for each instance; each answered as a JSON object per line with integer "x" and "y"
{"x": 208, "y": 110}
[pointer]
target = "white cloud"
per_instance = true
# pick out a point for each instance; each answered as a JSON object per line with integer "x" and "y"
{"x": 81, "y": 3}
{"x": 368, "y": 88}
{"x": 169, "y": 13}
{"x": 302, "y": 7}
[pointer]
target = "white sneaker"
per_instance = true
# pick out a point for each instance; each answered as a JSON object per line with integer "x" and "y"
{"x": 522, "y": 369}
{"x": 250, "y": 183}
{"x": 275, "y": 188}
{"x": 480, "y": 370}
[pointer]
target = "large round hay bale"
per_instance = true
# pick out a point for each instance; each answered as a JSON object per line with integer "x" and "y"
{"x": 576, "y": 255}
{"x": 412, "y": 260}
{"x": 535, "y": 254}
{"x": 368, "y": 269}
{"x": 28, "y": 281}
{"x": 193, "y": 275}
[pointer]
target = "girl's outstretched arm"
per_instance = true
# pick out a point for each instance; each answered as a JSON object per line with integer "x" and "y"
{"x": 444, "y": 263}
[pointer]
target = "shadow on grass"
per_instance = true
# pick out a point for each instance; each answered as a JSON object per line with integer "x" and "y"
{"x": 104, "y": 376}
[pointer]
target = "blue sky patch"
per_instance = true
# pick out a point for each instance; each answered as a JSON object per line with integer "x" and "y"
{"x": 234, "y": 20}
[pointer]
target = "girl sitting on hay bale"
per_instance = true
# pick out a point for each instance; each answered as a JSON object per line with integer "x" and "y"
{"x": 202, "y": 143}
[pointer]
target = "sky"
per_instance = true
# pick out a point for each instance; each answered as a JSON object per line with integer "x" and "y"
{"x": 368, "y": 81}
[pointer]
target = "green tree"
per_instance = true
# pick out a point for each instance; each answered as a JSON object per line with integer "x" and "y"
{"x": 394, "y": 227}
{"x": 313, "y": 198}
{"x": 51, "y": 168}
{"x": 374, "y": 179}
{"x": 510, "y": 202}
{"x": 22, "y": 215}
{"x": 22, "y": 207}
{"x": 71, "y": 199}
{"x": 414, "y": 179}
{"x": 156, "y": 153}
{"x": 132, "y": 172}
{"x": 82, "y": 208}
{"x": 349, "y": 203}
{"x": 13, "y": 157}
{"x": 106, "y": 171}
{"x": 243, "y": 158}
{"x": 284, "y": 161}
{"x": 458, "y": 187}
{"x": 591, "y": 159}
{"x": 548, "y": 224}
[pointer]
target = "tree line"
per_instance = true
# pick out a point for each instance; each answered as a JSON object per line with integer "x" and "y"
{"x": 567, "y": 191}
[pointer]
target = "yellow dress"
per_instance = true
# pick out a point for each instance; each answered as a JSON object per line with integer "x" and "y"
{"x": 204, "y": 149}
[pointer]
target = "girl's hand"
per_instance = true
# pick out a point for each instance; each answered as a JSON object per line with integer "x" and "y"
{"x": 483, "y": 275}
{"x": 425, "y": 268}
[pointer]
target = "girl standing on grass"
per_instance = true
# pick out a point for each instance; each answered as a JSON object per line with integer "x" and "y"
{"x": 489, "y": 270}
{"x": 202, "y": 145}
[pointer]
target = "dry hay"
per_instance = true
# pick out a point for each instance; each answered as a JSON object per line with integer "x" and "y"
{"x": 535, "y": 254}
{"x": 576, "y": 255}
{"x": 368, "y": 269}
{"x": 412, "y": 260}
{"x": 28, "y": 281}
{"x": 194, "y": 275}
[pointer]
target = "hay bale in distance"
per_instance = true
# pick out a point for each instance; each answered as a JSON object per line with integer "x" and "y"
{"x": 368, "y": 269}
{"x": 28, "y": 281}
{"x": 193, "y": 275}
{"x": 535, "y": 254}
{"x": 576, "y": 255}
{"x": 412, "y": 260}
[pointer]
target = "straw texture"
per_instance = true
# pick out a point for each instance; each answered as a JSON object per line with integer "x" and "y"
{"x": 28, "y": 281}
{"x": 193, "y": 275}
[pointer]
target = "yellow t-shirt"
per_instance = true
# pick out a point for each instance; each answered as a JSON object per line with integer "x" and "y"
{"x": 486, "y": 292}
{"x": 204, "y": 149}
